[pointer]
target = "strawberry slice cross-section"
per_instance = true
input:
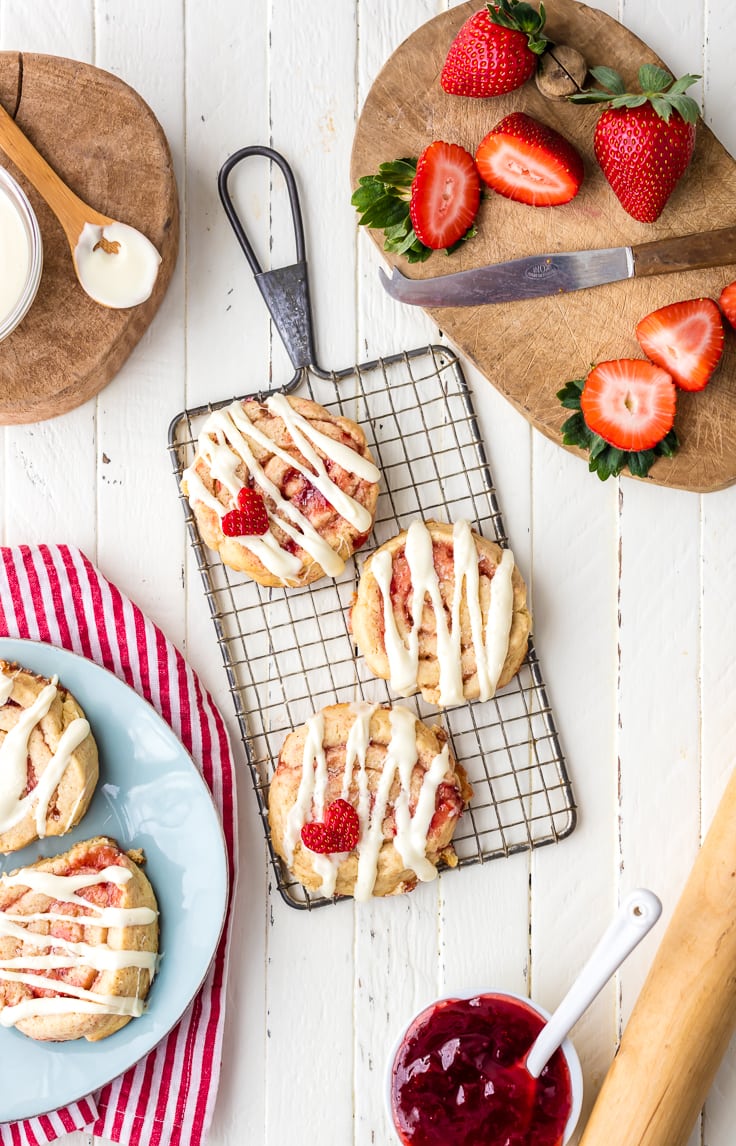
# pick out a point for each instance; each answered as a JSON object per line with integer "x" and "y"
{"x": 529, "y": 162}
{"x": 686, "y": 339}
{"x": 445, "y": 195}
{"x": 630, "y": 403}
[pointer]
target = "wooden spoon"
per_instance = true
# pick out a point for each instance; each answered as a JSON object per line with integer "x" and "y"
{"x": 125, "y": 284}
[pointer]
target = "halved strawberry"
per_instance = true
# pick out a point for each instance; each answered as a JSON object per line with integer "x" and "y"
{"x": 445, "y": 195}
{"x": 630, "y": 403}
{"x": 527, "y": 161}
{"x": 727, "y": 303}
{"x": 686, "y": 338}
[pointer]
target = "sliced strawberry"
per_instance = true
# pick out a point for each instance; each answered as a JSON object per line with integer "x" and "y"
{"x": 527, "y": 161}
{"x": 630, "y": 403}
{"x": 250, "y": 519}
{"x": 686, "y": 338}
{"x": 338, "y": 833}
{"x": 727, "y": 303}
{"x": 445, "y": 195}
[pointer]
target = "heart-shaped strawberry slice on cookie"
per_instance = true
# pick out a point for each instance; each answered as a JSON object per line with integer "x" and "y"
{"x": 338, "y": 833}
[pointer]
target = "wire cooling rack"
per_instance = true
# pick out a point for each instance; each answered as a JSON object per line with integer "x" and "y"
{"x": 288, "y": 653}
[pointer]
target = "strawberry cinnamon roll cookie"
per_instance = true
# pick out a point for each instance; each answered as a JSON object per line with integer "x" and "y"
{"x": 442, "y": 611}
{"x": 48, "y": 759}
{"x": 78, "y": 943}
{"x": 282, "y": 489}
{"x": 365, "y": 800}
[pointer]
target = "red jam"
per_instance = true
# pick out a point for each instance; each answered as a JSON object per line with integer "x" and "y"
{"x": 459, "y": 1078}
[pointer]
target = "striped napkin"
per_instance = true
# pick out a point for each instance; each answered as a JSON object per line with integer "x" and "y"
{"x": 53, "y": 593}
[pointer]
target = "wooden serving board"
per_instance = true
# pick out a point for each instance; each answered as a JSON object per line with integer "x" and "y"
{"x": 106, "y": 144}
{"x": 528, "y": 350}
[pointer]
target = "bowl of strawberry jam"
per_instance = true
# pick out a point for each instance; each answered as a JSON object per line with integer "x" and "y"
{"x": 457, "y": 1077}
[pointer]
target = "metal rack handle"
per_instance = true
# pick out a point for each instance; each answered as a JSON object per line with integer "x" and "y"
{"x": 285, "y": 290}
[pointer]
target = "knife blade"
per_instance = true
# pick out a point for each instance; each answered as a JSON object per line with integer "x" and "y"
{"x": 538, "y": 276}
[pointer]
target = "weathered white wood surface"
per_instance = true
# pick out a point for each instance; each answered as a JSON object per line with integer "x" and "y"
{"x": 632, "y": 586}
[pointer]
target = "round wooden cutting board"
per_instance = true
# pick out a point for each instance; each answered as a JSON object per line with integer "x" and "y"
{"x": 528, "y": 350}
{"x": 106, "y": 144}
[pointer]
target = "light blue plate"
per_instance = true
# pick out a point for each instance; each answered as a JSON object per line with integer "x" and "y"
{"x": 150, "y": 796}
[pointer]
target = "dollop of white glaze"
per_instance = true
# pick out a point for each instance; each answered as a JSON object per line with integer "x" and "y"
{"x": 490, "y": 643}
{"x": 121, "y": 277}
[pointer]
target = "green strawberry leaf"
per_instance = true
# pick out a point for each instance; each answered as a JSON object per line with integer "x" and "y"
{"x": 629, "y": 101}
{"x": 663, "y": 107}
{"x": 681, "y": 85}
{"x": 685, "y": 105}
{"x": 608, "y": 79}
{"x": 654, "y": 79}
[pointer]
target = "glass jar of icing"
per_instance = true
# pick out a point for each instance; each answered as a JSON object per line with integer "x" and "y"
{"x": 21, "y": 254}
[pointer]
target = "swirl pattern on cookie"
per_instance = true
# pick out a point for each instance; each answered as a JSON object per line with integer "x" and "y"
{"x": 78, "y": 943}
{"x": 48, "y": 759}
{"x": 441, "y": 610}
{"x": 400, "y": 777}
{"x": 314, "y": 473}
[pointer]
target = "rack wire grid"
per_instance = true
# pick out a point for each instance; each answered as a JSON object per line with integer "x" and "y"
{"x": 417, "y": 413}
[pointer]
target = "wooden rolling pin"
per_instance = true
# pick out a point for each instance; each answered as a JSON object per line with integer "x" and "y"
{"x": 686, "y": 1013}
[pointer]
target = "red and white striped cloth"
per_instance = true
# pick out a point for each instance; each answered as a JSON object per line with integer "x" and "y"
{"x": 53, "y": 593}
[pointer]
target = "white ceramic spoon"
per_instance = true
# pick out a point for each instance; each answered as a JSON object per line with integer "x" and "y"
{"x": 634, "y": 919}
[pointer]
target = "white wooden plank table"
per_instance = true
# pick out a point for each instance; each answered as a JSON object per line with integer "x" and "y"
{"x": 631, "y": 586}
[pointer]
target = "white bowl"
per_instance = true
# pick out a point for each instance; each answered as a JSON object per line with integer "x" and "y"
{"x": 27, "y": 215}
{"x": 571, "y": 1057}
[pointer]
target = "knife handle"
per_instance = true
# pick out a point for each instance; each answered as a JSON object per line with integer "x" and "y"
{"x": 685, "y": 252}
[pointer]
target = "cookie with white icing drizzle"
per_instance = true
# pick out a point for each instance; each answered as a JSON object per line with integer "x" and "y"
{"x": 442, "y": 611}
{"x": 48, "y": 759}
{"x": 387, "y": 782}
{"x": 78, "y": 943}
{"x": 312, "y": 473}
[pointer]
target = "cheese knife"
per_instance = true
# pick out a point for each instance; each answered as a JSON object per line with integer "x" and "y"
{"x": 538, "y": 276}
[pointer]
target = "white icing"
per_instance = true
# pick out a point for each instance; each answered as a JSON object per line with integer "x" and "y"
{"x": 490, "y": 646}
{"x": 101, "y": 958}
{"x": 14, "y": 757}
{"x": 6, "y": 687}
{"x": 411, "y": 829}
{"x": 13, "y": 764}
{"x": 224, "y": 446}
{"x": 121, "y": 278}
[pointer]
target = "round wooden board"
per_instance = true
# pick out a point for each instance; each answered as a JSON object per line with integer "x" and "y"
{"x": 107, "y": 145}
{"x": 528, "y": 350}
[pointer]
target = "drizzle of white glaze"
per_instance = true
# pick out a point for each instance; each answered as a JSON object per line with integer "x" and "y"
{"x": 490, "y": 647}
{"x": 410, "y": 840}
{"x": 224, "y": 445}
{"x": 101, "y": 957}
{"x": 13, "y": 762}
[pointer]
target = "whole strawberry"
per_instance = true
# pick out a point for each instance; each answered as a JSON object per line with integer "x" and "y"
{"x": 495, "y": 51}
{"x": 644, "y": 141}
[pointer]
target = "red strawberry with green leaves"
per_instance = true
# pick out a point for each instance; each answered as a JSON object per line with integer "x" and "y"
{"x": 727, "y": 303}
{"x": 338, "y": 832}
{"x": 525, "y": 160}
{"x": 623, "y": 414}
{"x": 422, "y": 205}
{"x": 250, "y": 519}
{"x": 645, "y": 140}
{"x": 495, "y": 51}
{"x": 686, "y": 339}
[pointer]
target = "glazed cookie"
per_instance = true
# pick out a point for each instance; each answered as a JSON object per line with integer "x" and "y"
{"x": 441, "y": 610}
{"x": 83, "y": 963}
{"x": 48, "y": 759}
{"x": 282, "y": 489}
{"x": 365, "y": 801}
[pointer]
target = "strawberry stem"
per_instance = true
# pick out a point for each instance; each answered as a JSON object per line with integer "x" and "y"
{"x": 519, "y": 16}
{"x": 658, "y": 87}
